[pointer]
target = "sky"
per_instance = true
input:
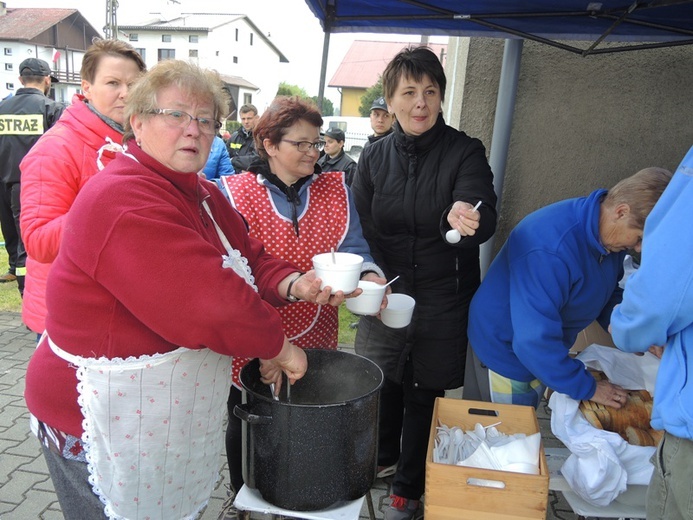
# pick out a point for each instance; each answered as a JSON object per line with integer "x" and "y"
{"x": 291, "y": 25}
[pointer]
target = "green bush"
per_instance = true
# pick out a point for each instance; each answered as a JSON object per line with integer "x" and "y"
{"x": 232, "y": 126}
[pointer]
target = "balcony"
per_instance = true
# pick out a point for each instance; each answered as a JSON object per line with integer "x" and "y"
{"x": 68, "y": 77}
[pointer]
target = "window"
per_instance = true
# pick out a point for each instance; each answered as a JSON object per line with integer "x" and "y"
{"x": 166, "y": 38}
{"x": 236, "y": 36}
{"x": 235, "y": 59}
{"x": 167, "y": 54}
{"x": 8, "y": 66}
{"x": 142, "y": 52}
{"x": 192, "y": 53}
{"x": 194, "y": 38}
{"x": 8, "y": 50}
{"x": 9, "y": 86}
{"x": 134, "y": 37}
{"x": 247, "y": 99}
{"x": 251, "y": 38}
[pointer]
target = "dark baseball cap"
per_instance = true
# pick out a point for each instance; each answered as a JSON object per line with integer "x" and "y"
{"x": 36, "y": 67}
{"x": 335, "y": 133}
{"x": 379, "y": 104}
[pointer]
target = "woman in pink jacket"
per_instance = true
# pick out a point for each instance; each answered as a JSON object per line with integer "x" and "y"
{"x": 81, "y": 143}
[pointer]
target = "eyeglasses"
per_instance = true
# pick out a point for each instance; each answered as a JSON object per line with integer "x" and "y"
{"x": 179, "y": 119}
{"x": 305, "y": 146}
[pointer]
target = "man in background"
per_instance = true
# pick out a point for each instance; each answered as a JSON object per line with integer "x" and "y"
{"x": 23, "y": 119}
{"x": 241, "y": 145}
{"x": 381, "y": 121}
{"x": 335, "y": 160}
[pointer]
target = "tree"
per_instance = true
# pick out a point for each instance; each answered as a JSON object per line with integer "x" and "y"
{"x": 371, "y": 95}
{"x": 294, "y": 90}
{"x": 327, "y": 106}
{"x": 291, "y": 90}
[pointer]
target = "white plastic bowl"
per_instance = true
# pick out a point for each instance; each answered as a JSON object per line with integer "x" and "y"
{"x": 399, "y": 310}
{"x": 341, "y": 275}
{"x": 368, "y": 302}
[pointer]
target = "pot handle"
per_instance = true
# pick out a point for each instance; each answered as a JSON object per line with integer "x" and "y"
{"x": 244, "y": 414}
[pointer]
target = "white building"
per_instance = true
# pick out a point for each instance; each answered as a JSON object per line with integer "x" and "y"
{"x": 231, "y": 44}
{"x": 59, "y": 37}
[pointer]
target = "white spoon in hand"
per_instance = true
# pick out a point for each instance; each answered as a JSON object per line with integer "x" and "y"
{"x": 453, "y": 236}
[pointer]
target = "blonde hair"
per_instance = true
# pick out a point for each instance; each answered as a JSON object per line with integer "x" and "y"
{"x": 640, "y": 191}
{"x": 188, "y": 77}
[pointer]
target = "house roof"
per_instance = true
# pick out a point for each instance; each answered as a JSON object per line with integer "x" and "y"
{"x": 197, "y": 22}
{"x": 366, "y": 60}
{"x": 237, "y": 81}
{"x": 25, "y": 23}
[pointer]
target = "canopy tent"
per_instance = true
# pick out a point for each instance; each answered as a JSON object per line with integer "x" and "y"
{"x": 605, "y": 27}
{"x": 658, "y": 22}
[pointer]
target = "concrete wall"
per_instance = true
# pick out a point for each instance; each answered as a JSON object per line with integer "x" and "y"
{"x": 579, "y": 123}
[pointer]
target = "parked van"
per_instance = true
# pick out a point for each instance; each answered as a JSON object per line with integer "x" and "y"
{"x": 356, "y": 131}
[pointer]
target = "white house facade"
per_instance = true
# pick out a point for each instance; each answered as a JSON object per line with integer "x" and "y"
{"x": 250, "y": 64}
{"x": 59, "y": 37}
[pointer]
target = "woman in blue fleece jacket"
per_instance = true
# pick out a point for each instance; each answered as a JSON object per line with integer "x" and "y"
{"x": 657, "y": 309}
{"x": 557, "y": 272}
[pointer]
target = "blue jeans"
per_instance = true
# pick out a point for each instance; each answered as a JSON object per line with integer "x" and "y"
{"x": 670, "y": 495}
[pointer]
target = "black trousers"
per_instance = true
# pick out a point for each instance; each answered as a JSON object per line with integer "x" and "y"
{"x": 20, "y": 261}
{"x": 8, "y": 227}
{"x": 406, "y": 412}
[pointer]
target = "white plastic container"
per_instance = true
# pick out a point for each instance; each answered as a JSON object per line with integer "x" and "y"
{"x": 399, "y": 310}
{"x": 339, "y": 271}
{"x": 368, "y": 302}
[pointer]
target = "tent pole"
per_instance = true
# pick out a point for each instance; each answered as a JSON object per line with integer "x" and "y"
{"x": 323, "y": 68}
{"x": 502, "y": 127}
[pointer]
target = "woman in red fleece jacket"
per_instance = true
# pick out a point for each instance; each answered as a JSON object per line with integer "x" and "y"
{"x": 134, "y": 367}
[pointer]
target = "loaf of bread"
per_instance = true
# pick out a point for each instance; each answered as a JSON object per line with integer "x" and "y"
{"x": 638, "y": 437}
{"x": 631, "y": 421}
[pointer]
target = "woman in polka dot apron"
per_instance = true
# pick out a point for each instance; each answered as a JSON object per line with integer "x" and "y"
{"x": 297, "y": 212}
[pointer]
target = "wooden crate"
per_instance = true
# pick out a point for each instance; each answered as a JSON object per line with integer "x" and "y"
{"x": 451, "y": 493}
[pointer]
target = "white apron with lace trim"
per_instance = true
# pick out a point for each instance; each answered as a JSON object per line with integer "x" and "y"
{"x": 153, "y": 424}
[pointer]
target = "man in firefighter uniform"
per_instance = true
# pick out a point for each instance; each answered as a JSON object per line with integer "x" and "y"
{"x": 24, "y": 118}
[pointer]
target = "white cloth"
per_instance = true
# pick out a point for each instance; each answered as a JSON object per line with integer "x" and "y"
{"x": 153, "y": 424}
{"x": 487, "y": 448}
{"x": 602, "y": 464}
{"x": 153, "y": 430}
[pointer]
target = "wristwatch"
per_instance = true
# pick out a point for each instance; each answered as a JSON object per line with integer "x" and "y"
{"x": 290, "y": 296}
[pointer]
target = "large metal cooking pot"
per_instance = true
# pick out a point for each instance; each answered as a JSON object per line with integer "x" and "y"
{"x": 321, "y": 447}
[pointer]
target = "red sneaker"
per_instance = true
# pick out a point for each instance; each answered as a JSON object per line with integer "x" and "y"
{"x": 401, "y": 508}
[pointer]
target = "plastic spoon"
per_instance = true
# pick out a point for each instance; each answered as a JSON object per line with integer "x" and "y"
{"x": 388, "y": 283}
{"x": 453, "y": 236}
{"x": 334, "y": 260}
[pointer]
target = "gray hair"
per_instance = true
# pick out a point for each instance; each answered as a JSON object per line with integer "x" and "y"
{"x": 188, "y": 77}
{"x": 640, "y": 191}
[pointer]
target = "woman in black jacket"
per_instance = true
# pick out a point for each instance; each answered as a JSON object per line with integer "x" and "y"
{"x": 411, "y": 188}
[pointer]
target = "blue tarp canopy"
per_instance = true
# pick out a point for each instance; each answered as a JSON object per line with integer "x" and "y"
{"x": 653, "y": 23}
{"x": 578, "y": 26}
